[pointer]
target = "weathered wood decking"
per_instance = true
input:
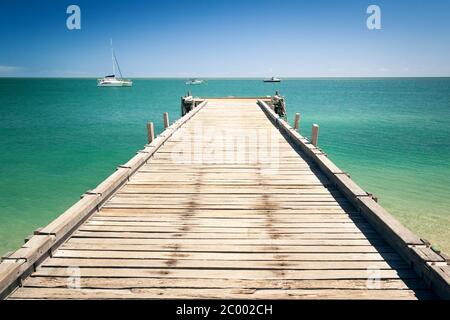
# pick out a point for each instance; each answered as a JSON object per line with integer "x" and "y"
{"x": 234, "y": 204}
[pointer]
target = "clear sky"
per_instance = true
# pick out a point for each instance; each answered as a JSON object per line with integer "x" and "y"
{"x": 225, "y": 38}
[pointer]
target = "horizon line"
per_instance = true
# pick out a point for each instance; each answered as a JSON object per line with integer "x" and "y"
{"x": 230, "y": 77}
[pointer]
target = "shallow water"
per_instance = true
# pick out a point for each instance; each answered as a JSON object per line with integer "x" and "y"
{"x": 61, "y": 137}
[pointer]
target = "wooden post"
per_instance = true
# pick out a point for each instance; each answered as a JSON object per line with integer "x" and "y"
{"x": 151, "y": 132}
{"x": 166, "y": 120}
{"x": 315, "y": 134}
{"x": 297, "y": 121}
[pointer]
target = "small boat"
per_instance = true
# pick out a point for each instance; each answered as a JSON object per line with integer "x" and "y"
{"x": 273, "y": 79}
{"x": 112, "y": 80}
{"x": 195, "y": 81}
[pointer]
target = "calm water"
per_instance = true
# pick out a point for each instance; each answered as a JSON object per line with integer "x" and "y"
{"x": 60, "y": 137}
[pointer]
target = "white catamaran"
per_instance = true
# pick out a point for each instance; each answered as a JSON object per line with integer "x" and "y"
{"x": 195, "y": 81}
{"x": 112, "y": 80}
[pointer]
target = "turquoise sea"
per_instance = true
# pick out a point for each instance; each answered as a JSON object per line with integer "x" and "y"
{"x": 61, "y": 137}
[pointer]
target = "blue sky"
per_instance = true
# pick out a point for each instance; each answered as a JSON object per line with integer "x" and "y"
{"x": 225, "y": 38}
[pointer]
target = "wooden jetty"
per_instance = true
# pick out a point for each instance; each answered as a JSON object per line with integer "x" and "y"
{"x": 228, "y": 202}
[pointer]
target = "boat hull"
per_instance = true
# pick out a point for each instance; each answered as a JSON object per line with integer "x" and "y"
{"x": 114, "y": 84}
{"x": 195, "y": 83}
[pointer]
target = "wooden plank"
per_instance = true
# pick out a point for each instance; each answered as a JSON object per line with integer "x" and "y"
{"x": 230, "y": 256}
{"x": 174, "y": 263}
{"x": 327, "y": 166}
{"x": 189, "y": 229}
{"x": 231, "y": 224}
{"x": 233, "y": 220}
{"x": 110, "y": 184}
{"x": 58, "y": 293}
{"x": 428, "y": 255}
{"x": 394, "y": 232}
{"x": 300, "y": 200}
{"x": 225, "y": 236}
{"x": 70, "y": 218}
{"x": 36, "y": 247}
{"x": 349, "y": 188}
{"x": 333, "y": 208}
{"x": 439, "y": 278}
{"x": 232, "y": 190}
{"x": 93, "y": 245}
{"x": 10, "y": 271}
{"x": 176, "y": 220}
{"x": 229, "y": 213}
{"x": 132, "y": 283}
{"x": 215, "y": 212}
{"x": 227, "y": 273}
{"x": 237, "y": 242}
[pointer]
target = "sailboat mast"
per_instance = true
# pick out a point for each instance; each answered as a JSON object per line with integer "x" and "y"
{"x": 118, "y": 67}
{"x": 112, "y": 59}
